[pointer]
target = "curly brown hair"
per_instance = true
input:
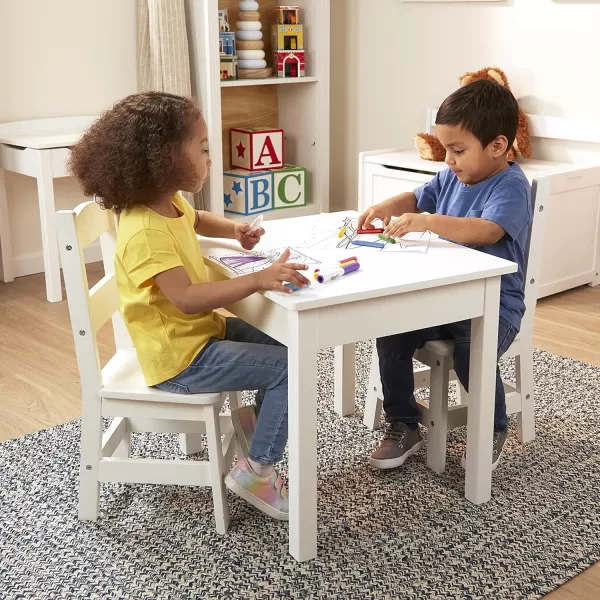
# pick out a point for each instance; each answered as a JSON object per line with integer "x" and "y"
{"x": 132, "y": 153}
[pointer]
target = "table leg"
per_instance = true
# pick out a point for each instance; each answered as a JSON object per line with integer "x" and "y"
{"x": 302, "y": 418}
{"x": 5, "y": 247}
{"x": 482, "y": 379}
{"x": 345, "y": 379}
{"x": 47, "y": 222}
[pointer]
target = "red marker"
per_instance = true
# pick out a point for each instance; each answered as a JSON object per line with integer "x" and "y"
{"x": 367, "y": 231}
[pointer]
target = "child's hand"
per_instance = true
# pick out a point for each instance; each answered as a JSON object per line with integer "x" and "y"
{"x": 379, "y": 211}
{"x": 273, "y": 277}
{"x": 406, "y": 223}
{"x": 247, "y": 240}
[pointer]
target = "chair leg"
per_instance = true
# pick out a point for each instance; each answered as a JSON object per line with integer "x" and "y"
{"x": 373, "y": 402}
{"x": 236, "y": 404}
{"x": 438, "y": 416}
{"x": 215, "y": 460}
{"x": 524, "y": 373}
{"x": 124, "y": 448}
{"x": 190, "y": 443}
{"x": 91, "y": 449}
{"x": 461, "y": 393}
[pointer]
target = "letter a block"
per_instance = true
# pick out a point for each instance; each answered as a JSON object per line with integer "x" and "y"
{"x": 247, "y": 193}
{"x": 289, "y": 187}
{"x": 257, "y": 149}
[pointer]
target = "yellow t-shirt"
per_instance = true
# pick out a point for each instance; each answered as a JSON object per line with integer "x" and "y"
{"x": 166, "y": 340}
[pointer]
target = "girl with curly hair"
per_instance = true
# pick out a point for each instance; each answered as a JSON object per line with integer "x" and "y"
{"x": 134, "y": 160}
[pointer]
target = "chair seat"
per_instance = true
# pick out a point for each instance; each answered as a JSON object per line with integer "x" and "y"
{"x": 123, "y": 379}
{"x": 446, "y": 347}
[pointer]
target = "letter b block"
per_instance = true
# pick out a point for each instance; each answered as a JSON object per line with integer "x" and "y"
{"x": 257, "y": 149}
{"x": 247, "y": 193}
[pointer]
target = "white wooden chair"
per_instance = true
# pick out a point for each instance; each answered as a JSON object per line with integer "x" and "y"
{"x": 118, "y": 390}
{"x": 437, "y": 416}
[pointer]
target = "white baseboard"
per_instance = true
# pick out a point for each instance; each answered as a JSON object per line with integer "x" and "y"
{"x": 33, "y": 262}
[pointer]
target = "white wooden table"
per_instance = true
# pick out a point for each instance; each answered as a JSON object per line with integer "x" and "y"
{"x": 391, "y": 293}
{"x": 38, "y": 149}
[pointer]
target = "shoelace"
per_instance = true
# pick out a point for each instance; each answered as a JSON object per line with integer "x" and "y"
{"x": 391, "y": 433}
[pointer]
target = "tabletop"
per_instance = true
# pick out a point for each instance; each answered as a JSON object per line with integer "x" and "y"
{"x": 380, "y": 273}
{"x": 41, "y": 134}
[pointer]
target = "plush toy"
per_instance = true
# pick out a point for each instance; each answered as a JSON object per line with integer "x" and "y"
{"x": 430, "y": 148}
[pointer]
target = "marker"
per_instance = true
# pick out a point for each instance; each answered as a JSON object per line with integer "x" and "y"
{"x": 256, "y": 224}
{"x": 292, "y": 287}
{"x": 366, "y": 231}
{"x": 342, "y": 231}
{"x": 386, "y": 239}
{"x": 369, "y": 244}
{"x": 330, "y": 275}
{"x": 343, "y": 262}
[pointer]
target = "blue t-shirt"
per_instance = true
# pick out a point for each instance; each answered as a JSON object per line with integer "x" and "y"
{"x": 504, "y": 199}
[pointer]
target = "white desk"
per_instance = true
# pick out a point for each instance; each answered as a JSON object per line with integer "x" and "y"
{"x": 391, "y": 293}
{"x": 38, "y": 149}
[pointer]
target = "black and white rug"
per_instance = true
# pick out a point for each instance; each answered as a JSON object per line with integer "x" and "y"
{"x": 404, "y": 534}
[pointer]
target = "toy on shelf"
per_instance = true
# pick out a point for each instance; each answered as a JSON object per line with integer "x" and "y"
{"x": 251, "y": 192}
{"x": 256, "y": 149}
{"x": 229, "y": 61}
{"x": 288, "y": 42}
{"x": 251, "y": 63}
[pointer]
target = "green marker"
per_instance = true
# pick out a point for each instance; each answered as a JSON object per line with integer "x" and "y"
{"x": 386, "y": 239}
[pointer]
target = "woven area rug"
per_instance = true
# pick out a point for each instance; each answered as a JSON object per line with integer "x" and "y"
{"x": 407, "y": 533}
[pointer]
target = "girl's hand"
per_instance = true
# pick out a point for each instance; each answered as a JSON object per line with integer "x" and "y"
{"x": 247, "y": 240}
{"x": 406, "y": 223}
{"x": 274, "y": 277}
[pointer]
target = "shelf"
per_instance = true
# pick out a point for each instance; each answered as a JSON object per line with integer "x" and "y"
{"x": 268, "y": 81}
{"x": 282, "y": 213}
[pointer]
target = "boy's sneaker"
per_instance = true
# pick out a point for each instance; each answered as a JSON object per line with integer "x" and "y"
{"x": 399, "y": 442}
{"x": 499, "y": 441}
{"x": 268, "y": 494}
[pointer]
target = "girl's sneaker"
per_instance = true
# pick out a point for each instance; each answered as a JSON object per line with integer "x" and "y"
{"x": 268, "y": 494}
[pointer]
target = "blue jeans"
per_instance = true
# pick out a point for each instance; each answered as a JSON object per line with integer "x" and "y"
{"x": 247, "y": 359}
{"x": 396, "y": 368}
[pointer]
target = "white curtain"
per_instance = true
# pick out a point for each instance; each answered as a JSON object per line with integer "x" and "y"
{"x": 163, "y": 47}
{"x": 164, "y": 60}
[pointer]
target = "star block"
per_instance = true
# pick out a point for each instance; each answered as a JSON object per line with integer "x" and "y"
{"x": 248, "y": 193}
{"x": 257, "y": 149}
{"x": 289, "y": 187}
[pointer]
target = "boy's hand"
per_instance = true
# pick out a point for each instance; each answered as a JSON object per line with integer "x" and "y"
{"x": 379, "y": 211}
{"x": 406, "y": 223}
{"x": 273, "y": 277}
{"x": 247, "y": 240}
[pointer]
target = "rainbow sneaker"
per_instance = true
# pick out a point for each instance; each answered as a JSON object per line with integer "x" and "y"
{"x": 268, "y": 494}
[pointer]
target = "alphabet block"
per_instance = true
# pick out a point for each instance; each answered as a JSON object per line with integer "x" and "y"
{"x": 247, "y": 193}
{"x": 257, "y": 149}
{"x": 289, "y": 187}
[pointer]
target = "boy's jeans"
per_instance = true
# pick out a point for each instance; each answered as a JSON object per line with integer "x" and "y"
{"x": 396, "y": 368}
{"x": 246, "y": 359}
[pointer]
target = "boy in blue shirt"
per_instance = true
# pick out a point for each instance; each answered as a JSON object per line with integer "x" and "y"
{"x": 481, "y": 201}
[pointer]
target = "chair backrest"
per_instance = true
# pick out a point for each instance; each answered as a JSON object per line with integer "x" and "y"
{"x": 90, "y": 309}
{"x": 540, "y": 193}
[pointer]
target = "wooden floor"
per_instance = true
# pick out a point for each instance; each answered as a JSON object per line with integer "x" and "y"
{"x": 39, "y": 382}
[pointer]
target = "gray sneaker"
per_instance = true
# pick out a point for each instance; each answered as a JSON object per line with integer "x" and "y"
{"x": 399, "y": 442}
{"x": 499, "y": 440}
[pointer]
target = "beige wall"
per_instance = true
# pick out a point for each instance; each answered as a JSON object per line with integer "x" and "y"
{"x": 391, "y": 60}
{"x": 59, "y": 58}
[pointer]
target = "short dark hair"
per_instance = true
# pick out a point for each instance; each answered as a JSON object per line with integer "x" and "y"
{"x": 133, "y": 151}
{"x": 484, "y": 108}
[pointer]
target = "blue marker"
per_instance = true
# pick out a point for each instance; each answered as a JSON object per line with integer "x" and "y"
{"x": 370, "y": 244}
{"x": 292, "y": 287}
